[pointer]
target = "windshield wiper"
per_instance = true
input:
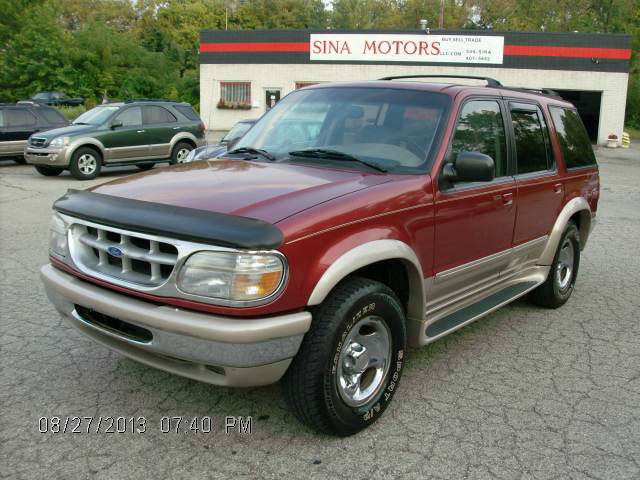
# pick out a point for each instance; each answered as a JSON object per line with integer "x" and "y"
{"x": 253, "y": 151}
{"x": 334, "y": 155}
{"x": 81, "y": 123}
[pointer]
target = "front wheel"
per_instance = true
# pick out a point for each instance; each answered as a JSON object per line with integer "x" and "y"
{"x": 48, "y": 171}
{"x": 349, "y": 364}
{"x": 558, "y": 286}
{"x": 85, "y": 163}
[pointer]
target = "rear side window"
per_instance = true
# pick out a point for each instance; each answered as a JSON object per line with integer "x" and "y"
{"x": 531, "y": 137}
{"x": 1, "y": 118}
{"x": 481, "y": 129}
{"x": 53, "y": 116}
{"x": 19, "y": 118}
{"x": 187, "y": 111}
{"x": 572, "y": 135}
{"x": 154, "y": 115}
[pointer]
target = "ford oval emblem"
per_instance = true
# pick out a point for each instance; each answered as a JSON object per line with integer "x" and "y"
{"x": 115, "y": 252}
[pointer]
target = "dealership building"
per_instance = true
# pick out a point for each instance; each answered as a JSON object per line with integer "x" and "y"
{"x": 244, "y": 73}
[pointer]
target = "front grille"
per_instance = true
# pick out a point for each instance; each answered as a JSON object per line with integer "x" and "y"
{"x": 37, "y": 142}
{"x": 126, "y": 256}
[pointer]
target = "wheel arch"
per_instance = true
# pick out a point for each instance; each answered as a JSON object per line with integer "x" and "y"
{"x": 369, "y": 260}
{"x": 183, "y": 137}
{"x": 85, "y": 142}
{"x": 576, "y": 210}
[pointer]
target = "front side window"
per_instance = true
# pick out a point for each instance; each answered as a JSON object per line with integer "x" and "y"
{"x": 96, "y": 116}
{"x": 396, "y": 129}
{"x": 573, "y": 138}
{"x": 154, "y": 114}
{"x": 233, "y": 94}
{"x": 19, "y": 118}
{"x": 531, "y": 139}
{"x": 481, "y": 129}
{"x": 131, "y": 117}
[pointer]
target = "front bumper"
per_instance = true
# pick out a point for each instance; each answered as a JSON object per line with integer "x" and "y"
{"x": 210, "y": 348}
{"x": 46, "y": 156}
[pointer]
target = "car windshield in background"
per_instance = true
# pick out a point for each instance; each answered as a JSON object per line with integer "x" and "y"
{"x": 238, "y": 130}
{"x": 96, "y": 116}
{"x": 394, "y": 129}
{"x": 40, "y": 96}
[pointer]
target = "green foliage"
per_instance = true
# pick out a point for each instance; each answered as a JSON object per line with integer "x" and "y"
{"x": 149, "y": 48}
{"x": 71, "y": 113}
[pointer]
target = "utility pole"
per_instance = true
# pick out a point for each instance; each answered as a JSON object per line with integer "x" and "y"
{"x": 441, "y": 19}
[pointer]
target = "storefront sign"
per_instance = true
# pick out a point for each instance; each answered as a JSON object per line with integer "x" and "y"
{"x": 406, "y": 48}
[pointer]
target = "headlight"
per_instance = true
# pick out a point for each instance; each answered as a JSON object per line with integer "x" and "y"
{"x": 232, "y": 276}
{"x": 59, "y": 142}
{"x": 58, "y": 236}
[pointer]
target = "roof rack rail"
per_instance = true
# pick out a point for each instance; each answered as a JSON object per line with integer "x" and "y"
{"x": 543, "y": 91}
{"x": 134, "y": 100}
{"x": 491, "y": 82}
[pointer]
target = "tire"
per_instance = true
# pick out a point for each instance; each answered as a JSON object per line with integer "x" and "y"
{"x": 560, "y": 282}
{"x": 20, "y": 160}
{"x": 358, "y": 310}
{"x": 144, "y": 166}
{"x": 180, "y": 152}
{"x": 48, "y": 171}
{"x": 85, "y": 164}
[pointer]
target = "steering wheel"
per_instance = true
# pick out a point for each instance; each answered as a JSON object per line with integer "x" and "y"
{"x": 407, "y": 144}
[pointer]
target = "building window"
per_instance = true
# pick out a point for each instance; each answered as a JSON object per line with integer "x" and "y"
{"x": 235, "y": 95}
{"x": 305, "y": 84}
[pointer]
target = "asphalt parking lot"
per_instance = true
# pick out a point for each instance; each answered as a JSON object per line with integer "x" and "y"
{"x": 525, "y": 393}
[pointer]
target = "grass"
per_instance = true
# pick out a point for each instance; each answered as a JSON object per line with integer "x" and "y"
{"x": 72, "y": 112}
{"x": 633, "y": 132}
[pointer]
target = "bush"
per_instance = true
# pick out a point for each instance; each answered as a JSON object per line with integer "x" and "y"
{"x": 71, "y": 113}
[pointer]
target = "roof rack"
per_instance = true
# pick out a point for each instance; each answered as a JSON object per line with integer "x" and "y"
{"x": 491, "y": 82}
{"x": 541, "y": 91}
{"x": 134, "y": 100}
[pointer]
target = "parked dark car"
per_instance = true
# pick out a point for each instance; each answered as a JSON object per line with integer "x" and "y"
{"x": 20, "y": 120}
{"x": 56, "y": 98}
{"x": 136, "y": 132}
{"x": 212, "y": 151}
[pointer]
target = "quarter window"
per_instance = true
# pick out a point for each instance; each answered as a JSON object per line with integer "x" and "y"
{"x": 481, "y": 129}
{"x": 573, "y": 138}
{"x": 530, "y": 132}
{"x": 235, "y": 94}
{"x": 155, "y": 115}
{"x": 131, "y": 117}
{"x": 19, "y": 118}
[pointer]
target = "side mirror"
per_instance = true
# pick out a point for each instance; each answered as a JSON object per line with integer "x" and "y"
{"x": 115, "y": 124}
{"x": 470, "y": 167}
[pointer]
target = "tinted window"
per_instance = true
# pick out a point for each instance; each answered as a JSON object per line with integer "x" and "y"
{"x": 154, "y": 114}
{"x": 530, "y": 137}
{"x": 131, "y": 117}
{"x": 481, "y": 129}
{"x": 53, "y": 116}
{"x": 19, "y": 118}
{"x": 1, "y": 118}
{"x": 573, "y": 138}
{"x": 187, "y": 111}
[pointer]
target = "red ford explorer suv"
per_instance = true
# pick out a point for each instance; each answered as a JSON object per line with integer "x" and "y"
{"x": 352, "y": 221}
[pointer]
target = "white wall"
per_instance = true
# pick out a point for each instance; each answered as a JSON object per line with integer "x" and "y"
{"x": 264, "y": 76}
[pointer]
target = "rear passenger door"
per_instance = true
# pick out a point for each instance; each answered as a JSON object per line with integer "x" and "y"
{"x": 161, "y": 125}
{"x": 539, "y": 187}
{"x": 474, "y": 221}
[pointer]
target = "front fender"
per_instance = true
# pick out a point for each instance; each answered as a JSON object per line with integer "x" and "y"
{"x": 366, "y": 254}
{"x": 81, "y": 142}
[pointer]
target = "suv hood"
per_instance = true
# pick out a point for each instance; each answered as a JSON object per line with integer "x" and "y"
{"x": 269, "y": 192}
{"x": 64, "y": 131}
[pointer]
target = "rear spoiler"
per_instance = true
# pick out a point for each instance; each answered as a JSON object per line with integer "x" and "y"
{"x": 170, "y": 221}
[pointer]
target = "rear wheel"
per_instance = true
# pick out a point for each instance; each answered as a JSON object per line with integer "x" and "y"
{"x": 558, "y": 286}
{"x": 20, "y": 160}
{"x": 48, "y": 171}
{"x": 85, "y": 163}
{"x": 350, "y": 361}
{"x": 180, "y": 152}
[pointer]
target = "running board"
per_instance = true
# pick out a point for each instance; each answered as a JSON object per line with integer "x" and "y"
{"x": 479, "y": 309}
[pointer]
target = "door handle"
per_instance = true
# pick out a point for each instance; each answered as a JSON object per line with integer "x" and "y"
{"x": 507, "y": 198}
{"x": 141, "y": 131}
{"x": 557, "y": 188}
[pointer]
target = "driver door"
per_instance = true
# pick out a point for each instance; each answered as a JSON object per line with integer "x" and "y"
{"x": 474, "y": 221}
{"x": 127, "y": 141}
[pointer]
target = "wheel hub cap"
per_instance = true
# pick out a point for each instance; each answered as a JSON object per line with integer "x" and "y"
{"x": 182, "y": 155}
{"x": 564, "y": 267}
{"x": 364, "y": 361}
{"x": 87, "y": 164}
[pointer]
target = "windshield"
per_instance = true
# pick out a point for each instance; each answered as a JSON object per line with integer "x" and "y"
{"x": 96, "y": 116}
{"x": 395, "y": 129}
{"x": 40, "y": 96}
{"x": 238, "y": 130}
